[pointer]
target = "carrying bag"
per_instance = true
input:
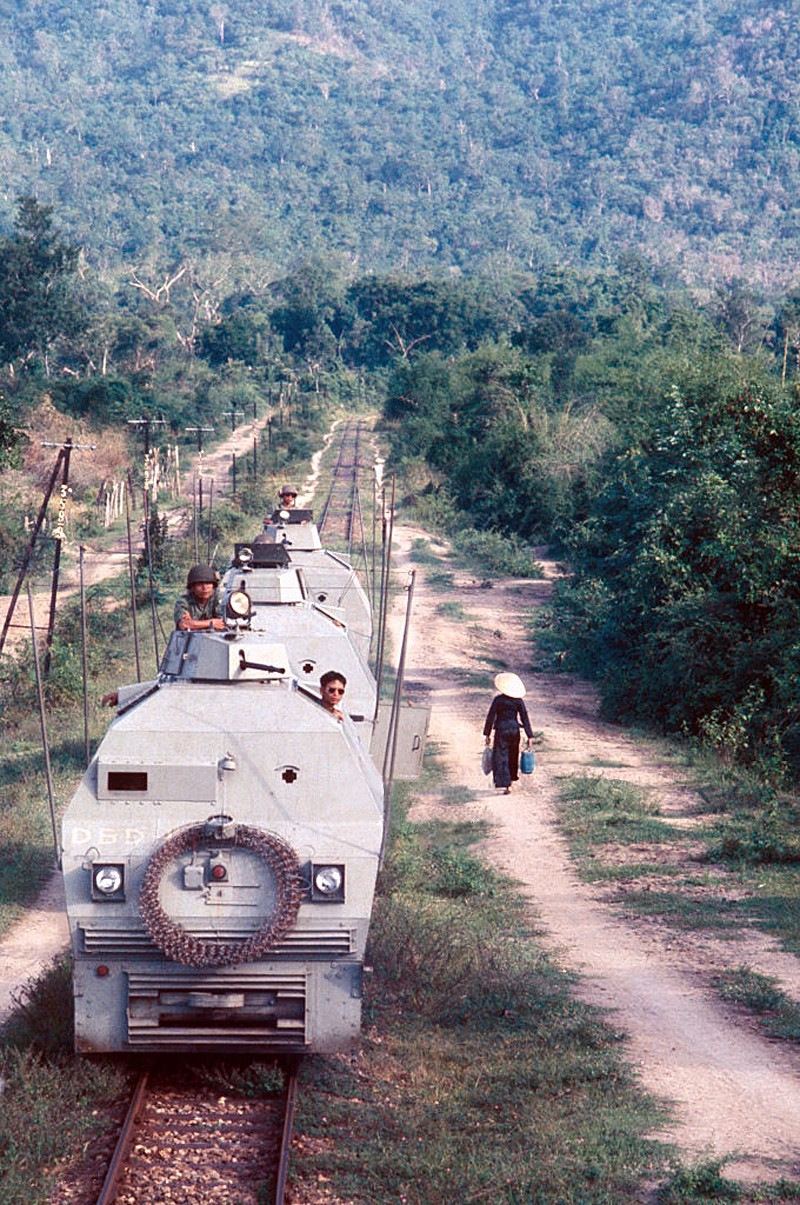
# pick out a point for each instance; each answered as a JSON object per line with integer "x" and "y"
{"x": 527, "y": 762}
{"x": 486, "y": 760}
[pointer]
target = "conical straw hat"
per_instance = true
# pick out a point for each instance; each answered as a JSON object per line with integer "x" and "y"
{"x": 510, "y": 684}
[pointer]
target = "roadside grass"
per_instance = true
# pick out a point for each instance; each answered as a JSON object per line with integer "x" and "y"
{"x": 440, "y": 579}
{"x": 452, "y": 610}
{"x": 601, "y": 810}
{"x": 705, "y": 1181}
{"x": 422, "y": 553}
{"x": 749, "y": 842}
{"x": 626, "y": 872}
{"x": 484, "y": 552}
{"x": 774, "y": 906}
{"x": 761, "y": 994}
{"x": 685, "y": 911}
{"x": 458, "y": 794}
{"x": 52, "y": 1103}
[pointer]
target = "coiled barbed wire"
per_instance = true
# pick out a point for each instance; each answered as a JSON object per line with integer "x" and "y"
{"x": 182, "y": 946}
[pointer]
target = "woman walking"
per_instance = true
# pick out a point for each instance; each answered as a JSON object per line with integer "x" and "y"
{"x": 506, "y": 713}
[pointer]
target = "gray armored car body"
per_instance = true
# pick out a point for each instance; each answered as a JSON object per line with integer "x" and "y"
{"x": 220, "y": 858}
{"x": 317, "y": 634}
{"x": 331, "y": 579}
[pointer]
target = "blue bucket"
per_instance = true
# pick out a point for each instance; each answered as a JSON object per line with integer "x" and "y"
{"x": 527, "y": 762}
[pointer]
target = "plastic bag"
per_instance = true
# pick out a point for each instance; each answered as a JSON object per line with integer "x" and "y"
{"x": 486, "y": 759}
{"x": 527, "y": 762}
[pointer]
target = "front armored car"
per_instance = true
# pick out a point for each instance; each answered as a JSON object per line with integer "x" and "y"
{"x": 220, "y": 858}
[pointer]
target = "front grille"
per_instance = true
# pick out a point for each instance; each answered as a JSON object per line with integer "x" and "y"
{"x": 133, "y": 941}
{"x": 232, "y": 1009}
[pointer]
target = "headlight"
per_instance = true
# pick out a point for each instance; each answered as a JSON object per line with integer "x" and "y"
{"x": 328, "y": 880}
{"x": 108, "y": 882}
{"x": 327, "y": 883}
{"x": 239, "y": 604}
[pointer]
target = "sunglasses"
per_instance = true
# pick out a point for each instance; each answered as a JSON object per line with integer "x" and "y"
{"x": 288, "y": 495}
{"x": 334, "y": 690}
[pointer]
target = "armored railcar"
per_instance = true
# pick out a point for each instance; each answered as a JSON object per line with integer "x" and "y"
{"x": 316, "y": 634}
{"x": 220, "y": 858}
{"x": 330, "y": 577}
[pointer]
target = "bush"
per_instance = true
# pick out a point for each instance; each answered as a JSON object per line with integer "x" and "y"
{"x": 495, "y": 553}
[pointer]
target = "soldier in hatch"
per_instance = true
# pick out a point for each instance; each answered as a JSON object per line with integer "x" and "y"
{"x": 199, "y": 609}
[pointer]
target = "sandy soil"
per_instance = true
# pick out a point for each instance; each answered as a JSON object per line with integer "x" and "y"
{"x": 735, "y": 1094}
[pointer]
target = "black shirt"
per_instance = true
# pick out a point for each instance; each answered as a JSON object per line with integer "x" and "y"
{"x": 506, "y": 715}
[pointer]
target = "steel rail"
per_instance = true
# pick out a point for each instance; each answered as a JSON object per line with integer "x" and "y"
{"x": 116, "y": 1167}
{"x": 351, "y": 506}
{"x": 290, "y": 1099}
{"x": 334, "y": 478}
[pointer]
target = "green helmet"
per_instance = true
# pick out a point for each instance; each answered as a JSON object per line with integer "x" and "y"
{"x": 201, "y": 573}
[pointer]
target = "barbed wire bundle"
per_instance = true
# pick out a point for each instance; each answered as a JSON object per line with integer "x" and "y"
{"x": 180, "y": 945}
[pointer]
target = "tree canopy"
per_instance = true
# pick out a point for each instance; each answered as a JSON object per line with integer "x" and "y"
{"x": 412, "y": 136}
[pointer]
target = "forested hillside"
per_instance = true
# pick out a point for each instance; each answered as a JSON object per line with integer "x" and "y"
{"x": 402, "y": 134}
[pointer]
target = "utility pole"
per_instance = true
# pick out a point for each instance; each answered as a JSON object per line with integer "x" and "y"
{"x": 146, "y": 424}
{"x": 232, "y": 415}
{"x": 63, "y": 463}
{"x": 199, "y": 432}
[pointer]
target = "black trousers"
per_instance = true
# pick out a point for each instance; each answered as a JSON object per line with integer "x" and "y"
{"x": 505, "y": 758}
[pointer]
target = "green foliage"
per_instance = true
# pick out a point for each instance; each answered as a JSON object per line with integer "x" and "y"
{"x": 394, "y": 318}
{"x": 609, "y": 810}
{"x": 685, "y": 602}
{"x": 768, "y": 835}
{"x": 106, "y": 400}
{"x": 703, "y": 1181}
{"x": 579, "y": 141}
{"x": 11, "y": 543}
{"x": 778, "y": 1013}
{"x": 52, "y": 1105}
{"x": 492, "y": 553}
{"x": 41, "y": 1019}
{"x": 157, "y": 556}
{"x": 38, "y": 300}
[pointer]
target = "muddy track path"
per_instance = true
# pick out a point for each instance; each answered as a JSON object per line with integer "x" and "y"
{"x": 734, "y": 1092}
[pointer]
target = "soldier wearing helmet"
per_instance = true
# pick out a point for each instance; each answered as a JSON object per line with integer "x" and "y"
{"x": 288, "y": 501}
{"x": 198, "y": 610}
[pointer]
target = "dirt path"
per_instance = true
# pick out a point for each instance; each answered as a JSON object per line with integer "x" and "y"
{"x": 734, "y": 1092}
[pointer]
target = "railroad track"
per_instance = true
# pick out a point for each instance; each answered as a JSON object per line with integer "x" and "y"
{"x": 187, "y": 1142}
{"x": 341, "y": 519}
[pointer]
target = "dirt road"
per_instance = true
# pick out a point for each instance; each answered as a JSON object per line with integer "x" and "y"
{"x": 735, "y": 1094}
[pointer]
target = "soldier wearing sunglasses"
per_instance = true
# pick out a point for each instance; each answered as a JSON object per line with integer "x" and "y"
{"x": 332, "y": 687}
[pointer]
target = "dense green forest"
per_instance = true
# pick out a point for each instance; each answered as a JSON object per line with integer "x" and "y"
{"x": 404, "y": 134}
